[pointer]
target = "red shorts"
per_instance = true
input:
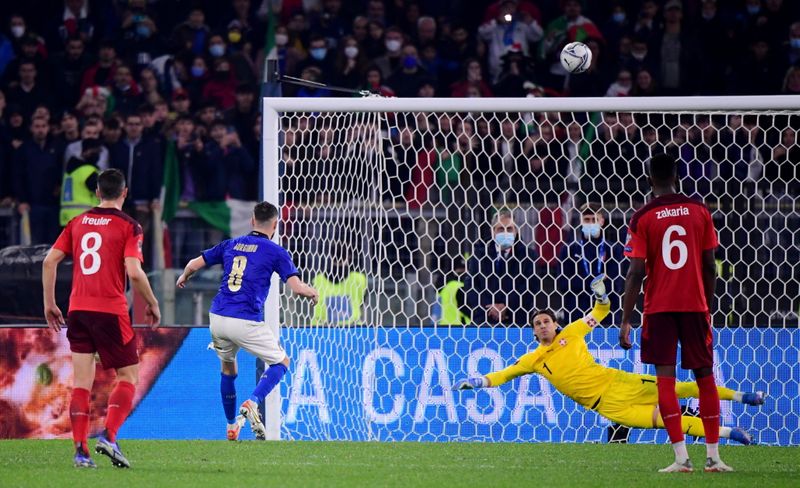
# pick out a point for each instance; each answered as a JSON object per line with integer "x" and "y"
{"x": 103, "y": 333}
{"x": 661, "y": 333}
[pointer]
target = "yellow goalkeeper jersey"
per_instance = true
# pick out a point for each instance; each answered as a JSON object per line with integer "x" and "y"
{"x": 566, "y": 363}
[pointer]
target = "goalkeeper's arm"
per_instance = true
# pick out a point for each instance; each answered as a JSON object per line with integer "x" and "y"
{"x": 493, "y": 379}
{"x": 602, "y": 305}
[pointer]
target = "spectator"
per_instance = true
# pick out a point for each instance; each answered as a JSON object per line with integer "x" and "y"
{"x": 500, "y": 281}
{"x": 139, "y": 33}
{"x": 426, "y": 89}
{"x": 678, "y": 66}
{"x": 70, "y": 130}
{"x": 373, "y": 81}
{"x": 312, "y": 73}
{"x": 621, "y": 87}
{"x": 17, "y": 132}
{"x": 320, "y": 56}
{"x": 426, "y": 31}
{"x": 756, "y": 73}
{"x": 713, "y": 41}
{"x": 359, "y": 30}
{"x": 782, "y": 170}
{"x": 148, "y": 85}
{"x": 199, "y": 76}
{"x": 112, "y": 132}
{"x": 509, "y": 29}
{"x": 393, "y": 59}
{"x": 29, "y": 92}
{"x": 244, "y": 112}
{"x": 229, "y": 164}
{"x": 350, "y": 63}
{"x": 791, "y": 82}
{"x": 251, "y": 30}
{"x": 141, "y": 161}
{"x": 92, "y": 129}
{"x": 374, "y": 43}
{"x": 616, "y": 27}
{"x": 221, "y": 88}
{"x": 77, "y": 21}
{"x": 69, "y": 67}
{"x": 29, "y": 52}
{"x": 241, "y": 66}
{"x": 6, "y": 53}
{"x": 331, "y": 23}
{"x": 181, "y": 103}
{"x": 450, "y": 299}
{"x": 458, "y": 47}
{"x": 429, "y": 60}
{"x": 473, "y": 75}
{"x": 647, "y": 27}
{"x": 645, "y": 85}
{"x": 290, "y": 54}
{"x": 589, "y": 255}
{"x": 191, "y": 35}
{"x": 94, "y": 102}
{"x": 406, "y": 81}
{"x": 793, "y": 50}
{"x": 36, "y": 170}
{"x": 517, "y": 69}
{"x": 102, "y": 72}
{"x": 80, "y": 182}
{"x": 126, "y": 93}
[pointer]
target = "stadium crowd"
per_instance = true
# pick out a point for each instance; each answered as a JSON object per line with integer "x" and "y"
{"x": 147, "y": 85}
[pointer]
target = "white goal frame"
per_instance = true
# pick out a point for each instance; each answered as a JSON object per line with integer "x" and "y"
{"x": 271, "y": 145}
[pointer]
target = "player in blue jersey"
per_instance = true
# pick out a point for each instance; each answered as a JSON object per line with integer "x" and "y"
{"x": 237, "y": 312}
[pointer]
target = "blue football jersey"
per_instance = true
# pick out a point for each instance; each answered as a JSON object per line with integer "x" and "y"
{"x": 248, "y": 264}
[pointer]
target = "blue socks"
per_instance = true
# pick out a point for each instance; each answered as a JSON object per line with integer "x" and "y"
{"x": 228, "y": 392}
{"x": 268, "y": 380}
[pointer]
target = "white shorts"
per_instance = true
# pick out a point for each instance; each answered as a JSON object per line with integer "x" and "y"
{"x": 229, "y": 334}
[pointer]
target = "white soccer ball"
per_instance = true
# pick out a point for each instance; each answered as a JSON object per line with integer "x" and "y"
{"x": 576, "y": 57}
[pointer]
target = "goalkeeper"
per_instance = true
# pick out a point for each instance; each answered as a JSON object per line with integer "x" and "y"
{"x": 625, "y": 398}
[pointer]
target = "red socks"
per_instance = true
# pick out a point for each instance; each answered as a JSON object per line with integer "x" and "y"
{"x": 79, "y": 416}
{"x": 669, "y": 408}
{"x": 119, "y": 406}
{"x": 709, "y": 407}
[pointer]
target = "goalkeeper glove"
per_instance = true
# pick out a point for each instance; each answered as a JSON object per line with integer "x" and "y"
{"x": 599, "y": 289}
{"x": 471, "y": 383}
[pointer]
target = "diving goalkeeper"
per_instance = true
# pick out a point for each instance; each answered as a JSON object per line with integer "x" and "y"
{"x": 625, "y": 398}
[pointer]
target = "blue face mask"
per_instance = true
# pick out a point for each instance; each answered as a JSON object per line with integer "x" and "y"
{"x": 410, "y": 62}
{"x": 590, "y": 231}
{"x": 318, "y": 53}
{"x": 795, "y": 42}
{"x": 753, "y": 9}
{"x": 216, "y": 50}
{"x": 143, "y": 31}
{"x": 504, "y": 240}
{"x": 198, "y": 71}
{"x": 618, "y": 17}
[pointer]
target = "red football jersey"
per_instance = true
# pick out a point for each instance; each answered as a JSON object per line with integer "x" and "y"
{"x": 670, "y": 233}
{"x": 99, "y": 241}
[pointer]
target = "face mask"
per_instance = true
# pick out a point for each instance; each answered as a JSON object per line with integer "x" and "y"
{"x": 17, "y": 31}
{"x": 639, "y": 56}
{"x": 216, "y": 50}
{"x": 590, "y": 231}
{"x": 318, "y": 53}
{"x": 709, "y": 16}
{"x": 143, "y": 30}
{"x": 198, "y": 71}
{"x": 795, "y": 42}
{"x": 393, "y": 45}
{"x": 753, "y": 9}
{"x": 618, "y": 17}
{"x": 281, "y": 39}
{"x": 410, "y": 62}
{"x": 124, "y": 88}
{"x": 351, "y": 51}
{"x": 504, "y": 239}
{"x": 234, "y": 36}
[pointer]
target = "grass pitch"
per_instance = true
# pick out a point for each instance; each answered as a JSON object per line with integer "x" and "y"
{"x": 28, "y": 463}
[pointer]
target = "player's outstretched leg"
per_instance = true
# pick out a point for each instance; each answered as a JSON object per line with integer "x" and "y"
{"x": 268, "y": 381}
{"x": 689, "y": 389}
{"x": 227, "y": 389}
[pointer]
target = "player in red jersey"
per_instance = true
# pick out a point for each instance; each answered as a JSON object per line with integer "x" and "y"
{"x": 105, "y": 244}
{"x": 671, "y": 240}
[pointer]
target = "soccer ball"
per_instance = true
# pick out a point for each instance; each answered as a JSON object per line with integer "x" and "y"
{"x": 576, "y": 57}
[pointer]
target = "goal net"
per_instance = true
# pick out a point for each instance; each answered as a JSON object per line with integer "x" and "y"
{"x": 388, "y": 207}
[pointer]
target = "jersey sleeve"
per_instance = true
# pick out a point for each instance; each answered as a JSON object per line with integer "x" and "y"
{"x": 64, "y": 241}
{"x": 284, "y": 266}
{"x": 133, "y": 244}
{"x": 709, "y": 233}
{"x": 583, "y": 326}
{"x": 215, "y": 254}
{"x": 523, "y": 366}
{"x": 635, "y": 246}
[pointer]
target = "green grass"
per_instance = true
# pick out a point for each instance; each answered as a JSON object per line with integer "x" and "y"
{"x": 205, "y": 463}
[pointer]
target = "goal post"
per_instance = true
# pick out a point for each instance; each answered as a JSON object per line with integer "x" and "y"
{"x": 385, "y": 201}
